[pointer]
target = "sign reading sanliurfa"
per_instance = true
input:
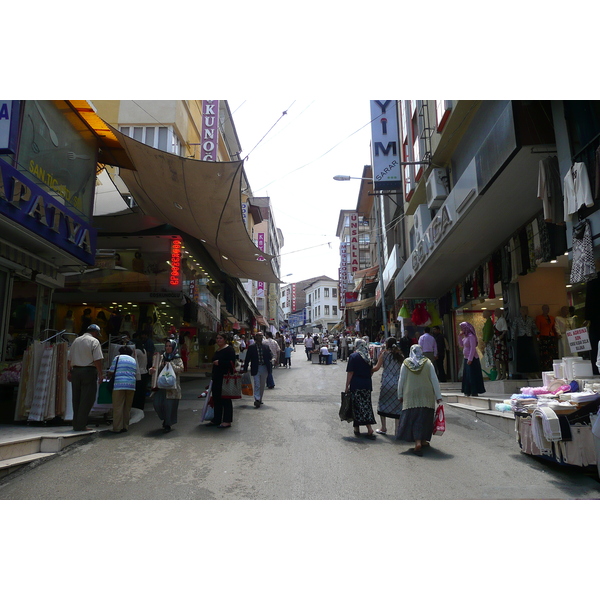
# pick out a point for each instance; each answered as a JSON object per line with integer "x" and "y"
{"x": 385, "y": 145}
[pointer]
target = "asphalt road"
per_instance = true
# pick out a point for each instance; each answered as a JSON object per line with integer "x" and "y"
{"x": 294, "y": 447}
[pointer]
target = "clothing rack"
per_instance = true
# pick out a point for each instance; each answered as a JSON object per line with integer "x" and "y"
{"x": 63, "y": 332}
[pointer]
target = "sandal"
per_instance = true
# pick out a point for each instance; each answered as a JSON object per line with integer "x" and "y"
{"x": 417, "y": 451}
{"x": 381, "y": 431}
{"x": 357, "y": 433}
{"x": 370, "y": 436}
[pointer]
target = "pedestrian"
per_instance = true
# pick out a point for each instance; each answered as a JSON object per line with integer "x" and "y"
{"x": 389, "y": 406}
{"x": 309, "y": 344}
{"x": 472, "y": 378}
{"x": 344, "y": 347}
{"x": 359, "y": 384}
{"x": 84, "y": 366}
{"x": 141, "y": 385}
{"x": 440, "y": 341}
{"x": 223, "y": 363}
{"x": 288, "y": 354}
{"x": 281, "y": 355}
{"x": 428, "y": 345}
{"x": 259, "y": 357}
{"x": 124, "y": 366}
{"x": 418, "y": 390}
{"x": 275, "y": 351}
{"x": 406, "y": 342}
{"x": 166, "y": 402}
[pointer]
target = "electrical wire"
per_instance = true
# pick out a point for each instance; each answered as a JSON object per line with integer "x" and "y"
{"x": 283, "y": 114}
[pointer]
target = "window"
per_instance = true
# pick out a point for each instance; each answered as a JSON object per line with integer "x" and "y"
{"x": 326, "y": 292}
{"x": 442, "y": 110}
{"x": 334, "y": 311}
{"x": 162, "y": 138}
{"x": 327, "y": 310}
{"x": 334, "y": 292}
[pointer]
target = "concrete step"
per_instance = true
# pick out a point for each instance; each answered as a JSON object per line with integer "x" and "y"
{"x": 504, "y": 421}
{"x": 8, "y": 465}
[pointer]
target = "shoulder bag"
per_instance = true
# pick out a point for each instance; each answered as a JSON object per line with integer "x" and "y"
{"x": 111, "y": 378}
{"x": 232, "y": 385}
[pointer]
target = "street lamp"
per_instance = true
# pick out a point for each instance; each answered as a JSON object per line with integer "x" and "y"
{"x": 380, "y": 234}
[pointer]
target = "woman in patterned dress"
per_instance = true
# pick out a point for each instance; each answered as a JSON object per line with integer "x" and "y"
{"x": 389, "y": 406}
{"x": 359, "y": 384}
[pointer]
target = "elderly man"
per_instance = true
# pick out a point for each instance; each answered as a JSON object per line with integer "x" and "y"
{"x": 275, "y": 350}
{"x": 259, "y": 357}
{"x": 429, "y": 346}
{"x": 85, "y": 374}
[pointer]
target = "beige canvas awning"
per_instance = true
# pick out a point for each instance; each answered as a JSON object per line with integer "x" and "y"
{"x": 361, "y": 303}
{"x": 201, "y": 198}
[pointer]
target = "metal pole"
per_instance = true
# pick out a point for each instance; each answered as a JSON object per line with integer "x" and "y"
{"x": 382, "y": 266}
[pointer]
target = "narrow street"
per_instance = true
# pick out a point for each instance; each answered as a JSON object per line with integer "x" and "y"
{"x": 294, "y": 447}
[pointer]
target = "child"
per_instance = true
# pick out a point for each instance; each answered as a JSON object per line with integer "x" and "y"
{"x": 288, "y": 355}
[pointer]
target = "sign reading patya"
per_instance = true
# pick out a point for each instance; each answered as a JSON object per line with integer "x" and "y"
{"x": 210, "y": 130}
{"x": 579, "y": 340}
{"x": 385, "y": 145}
{"x": 29, "y": 205}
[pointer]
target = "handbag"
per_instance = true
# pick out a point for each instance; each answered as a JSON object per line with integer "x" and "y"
{"x": 110, "y": 384}
{"x": 346, "y": 413}
{"x": 167, "y": 380}
{"x": 247, "y": 385}
{"x": 439, "y": 423}
{"x": 232, "y": 385}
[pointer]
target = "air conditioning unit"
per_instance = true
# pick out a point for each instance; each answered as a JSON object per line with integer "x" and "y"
{"x": 436, "y": 188}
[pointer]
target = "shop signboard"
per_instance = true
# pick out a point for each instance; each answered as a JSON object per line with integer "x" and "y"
{"x": 210, "y": 130}
{"x": 27, "y": 204}
{"x": 260, "y": 285}
{"x": 354, "y": 248}
{"x": 579, "y": 340}
{"x": 385, "y": 144}
{"x": 9, "y": 126}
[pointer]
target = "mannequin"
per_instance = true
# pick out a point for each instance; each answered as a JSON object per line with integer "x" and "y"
{"x": 500, "y": 345}
{"x": 564, "y": 322}
{"x": 488, "y": 338}
{"x": 547, "y": 338}
{"x": 523, "y": 331}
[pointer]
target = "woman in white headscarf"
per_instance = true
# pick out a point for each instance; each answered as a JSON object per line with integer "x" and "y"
{"x": 418, "y": 390}
{"x": 359, "y": 384}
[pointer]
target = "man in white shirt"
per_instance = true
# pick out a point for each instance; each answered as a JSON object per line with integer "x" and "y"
{"x": 309, "y": 344}
{"x": 84, "y": 366}
{"x": 323, "y": 354}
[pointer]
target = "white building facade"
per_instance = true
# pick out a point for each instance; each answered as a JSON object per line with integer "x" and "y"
{"x": 322, "y": 303}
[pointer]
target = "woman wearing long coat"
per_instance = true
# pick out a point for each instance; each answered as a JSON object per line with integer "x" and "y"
{"x": 166, "y": 402}
{"x": 419, "y": 390}
{"x": 223, "y": 363}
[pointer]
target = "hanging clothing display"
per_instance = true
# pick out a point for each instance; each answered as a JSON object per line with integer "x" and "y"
{"x": 583, "y": 267}
{"x": 550, "y": 190}
{"x": 578, "y": 192}
{"x": 597, "y": 171}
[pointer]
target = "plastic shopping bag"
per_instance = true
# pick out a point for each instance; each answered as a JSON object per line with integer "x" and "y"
{"x": 247, "y": 385}
{"x": 167, "y": 379}
{"x": 439, "y": 424}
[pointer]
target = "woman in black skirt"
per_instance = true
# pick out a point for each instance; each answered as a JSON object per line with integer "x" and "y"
{"x": 223, "y": 363}
{"x": 472, "y": 379}
{"x": 359, "y": 384}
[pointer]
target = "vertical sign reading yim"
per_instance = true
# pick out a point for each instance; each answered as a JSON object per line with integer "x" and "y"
{"x": 385, "y": 145}
{"x": 210, "y": 130}
{"x": 260, "y": 285}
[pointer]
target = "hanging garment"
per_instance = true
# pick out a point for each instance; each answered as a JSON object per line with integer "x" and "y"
{"x": 550, "y": 190}
{"x": 583, "y": 267}
{"x": 597, "y": 171}
{"x": 524, "y": 246}
{"x": 531, "y": 247}
{"x": 546, "y": 248}
{"x": 578, "y": 192}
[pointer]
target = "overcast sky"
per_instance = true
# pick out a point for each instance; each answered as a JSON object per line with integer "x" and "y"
{"x": 294, "y": 165}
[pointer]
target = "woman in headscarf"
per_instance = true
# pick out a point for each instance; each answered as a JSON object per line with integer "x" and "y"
{"x": 359, "y": 385}
{"x": 391, "y": 361}
{"x": 418, "y": 390}
{"x": 166, "y": 402}
{"x": 472, "y": 379}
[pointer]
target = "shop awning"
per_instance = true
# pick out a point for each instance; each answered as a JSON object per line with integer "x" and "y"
{"x": 261, "y": 320}
{"x": 365, "y": 276}
{"x": 200, "y": 198}
{"x": 361, "y": 304}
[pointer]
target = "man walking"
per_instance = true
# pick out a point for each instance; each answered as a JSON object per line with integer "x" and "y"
{"x": 440, "y": 341}
{"x": 429, "y": 346}
{"x": 259, "y": 356}
{"x": 309, "y": 344}
{"x": 85, "y": 374}
{"x": 274, "y": 347}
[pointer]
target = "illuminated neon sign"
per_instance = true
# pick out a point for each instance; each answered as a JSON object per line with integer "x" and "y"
{"x": 175, "y": 278}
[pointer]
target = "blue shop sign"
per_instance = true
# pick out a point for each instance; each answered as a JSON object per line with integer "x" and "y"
{"x": 9, "y": 126}
{"x": 24, "y": 202}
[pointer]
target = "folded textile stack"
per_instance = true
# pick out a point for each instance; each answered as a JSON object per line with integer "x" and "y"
{"x": 585, "y": 396}
{"x": 545, "y": 428}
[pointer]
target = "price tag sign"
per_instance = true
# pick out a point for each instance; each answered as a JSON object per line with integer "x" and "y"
{"x": 579, "y": 340}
